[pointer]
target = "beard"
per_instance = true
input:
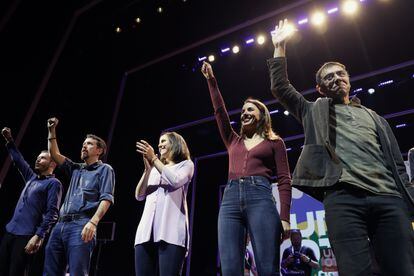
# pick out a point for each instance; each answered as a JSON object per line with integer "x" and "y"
{"x": 84, "y": 156}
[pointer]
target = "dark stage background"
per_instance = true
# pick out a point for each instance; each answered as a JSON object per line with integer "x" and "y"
{"x": 134, "y": 84}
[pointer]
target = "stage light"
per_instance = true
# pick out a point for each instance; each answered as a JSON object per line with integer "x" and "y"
{"x": 318, "y": 18}
{"x": 250, "y": 41}
{"x": 160, "y": 9}
{"x": 138, "y": 20}
{"x": 371, "y": 91}
{"x": 211, "y": 58}
{"x": 286, "y": 112}
{"x": 385, "y": 83}
{"x": 303, "y": 21}
{"x": 118, "y": 29}
{"x": 235, "y": 49}
{"x": 225, "y": 50}
{"x": 288, "y": 149}
{"x": 350, "y": 7}
{"x": 401, "y": 125}
{"x": 332, "y": 10}
{"x": 202, "y": 58}
{"x": 357, "y": 90}
{"x": 261, "y": 39}
{"x": 274, "y": 111}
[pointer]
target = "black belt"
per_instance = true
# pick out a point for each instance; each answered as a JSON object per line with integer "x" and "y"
{"x": 71, "y": 217}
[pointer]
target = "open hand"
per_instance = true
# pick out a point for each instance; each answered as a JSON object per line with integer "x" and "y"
{"x": 146, "y": 150}
{"x": 282, "y": 33}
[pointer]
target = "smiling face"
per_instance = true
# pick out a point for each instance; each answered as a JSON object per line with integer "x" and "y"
{"x": 334, "y": 83}
{"x": 90, "y": 150}
{"x": 164, "y": 146}
{"x": 250, "y": 115}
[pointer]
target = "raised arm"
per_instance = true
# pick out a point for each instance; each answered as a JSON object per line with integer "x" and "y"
{"x": 281, "y": 88}
{"x": 222, "y": 117}
{"x": 411, "y": 163}
{"x": 18, "y": 159}
{"x": 52, "y": 143}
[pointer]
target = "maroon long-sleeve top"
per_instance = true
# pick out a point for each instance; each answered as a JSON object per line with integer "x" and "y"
{"x": 267, "y": 159}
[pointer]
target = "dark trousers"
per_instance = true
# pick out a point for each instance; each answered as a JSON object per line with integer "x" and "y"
{"x": 248, "y": 205}
{"x": 355, "y": 218}
{"x": 13, "y": 260}
{"x": 65, "y": 247}
{"x": 168, "y": 258}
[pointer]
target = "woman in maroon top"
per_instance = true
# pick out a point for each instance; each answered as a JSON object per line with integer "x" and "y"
{"x": 255, "y": 155}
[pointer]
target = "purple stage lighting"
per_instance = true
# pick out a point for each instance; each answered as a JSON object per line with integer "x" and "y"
{"x": 225, "y": 50}
{"x": 401, "y": 125}
{"x": 333, "y": 10}
{"x": 250, "y": 41}
{"x": 303, "y": 21}
{"x": 385, "y": 83}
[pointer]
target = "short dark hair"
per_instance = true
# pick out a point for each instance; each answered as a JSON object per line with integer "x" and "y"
{"x": 295, "y": 231}
{"x": 326, "y": 65}
{"x": 100, "y": 143}
{"x": 179, "y": 149}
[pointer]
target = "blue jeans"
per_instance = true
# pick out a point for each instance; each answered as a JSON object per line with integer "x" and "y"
{"x": 65, "y": 247}
{"x": 168, "y": 258}
{"x": 352, "y": 216}
{"x": 248, "y": 205}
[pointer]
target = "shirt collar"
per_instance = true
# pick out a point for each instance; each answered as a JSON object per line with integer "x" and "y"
{"x": 92, "y": 166}
{"x": 41, "y": 177}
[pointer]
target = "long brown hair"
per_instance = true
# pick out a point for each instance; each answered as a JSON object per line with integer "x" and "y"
{"x": 264, "y": 125}
{"x": 179, "y": 150}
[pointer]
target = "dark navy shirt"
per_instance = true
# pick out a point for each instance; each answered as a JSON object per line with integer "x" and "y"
{"x": 89, "y": 185}
{"x": 37, "y": 209}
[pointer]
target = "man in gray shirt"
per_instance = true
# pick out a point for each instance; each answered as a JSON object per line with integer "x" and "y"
{"x": 351, "y": 161}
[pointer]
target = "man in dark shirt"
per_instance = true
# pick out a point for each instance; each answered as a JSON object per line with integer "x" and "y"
{"x": 298, "y": 259}
{"x": 89, "y": 196}
{"x": 351, "y": 161}
{"x": 35, "y": 214}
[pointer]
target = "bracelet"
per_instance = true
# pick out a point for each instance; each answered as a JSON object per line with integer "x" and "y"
{"x": 51, "y": 138}
{"x": 153, "y": 159}
{"x": 93, "y": 223}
